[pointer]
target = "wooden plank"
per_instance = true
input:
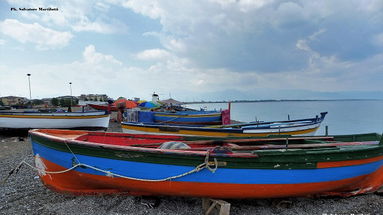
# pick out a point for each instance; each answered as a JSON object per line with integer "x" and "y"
{"x": 215, "y": 207}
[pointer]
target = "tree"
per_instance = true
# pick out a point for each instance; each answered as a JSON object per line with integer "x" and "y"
{"x": 64, "y": 102}
{"x": 55, "y": 102}
{"x": 37, "y": 102}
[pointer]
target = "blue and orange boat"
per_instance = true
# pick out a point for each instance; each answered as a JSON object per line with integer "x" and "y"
{"x": 306, "y": 126}
{"x": 184, "y": 117}
{"x": 81, "y": 162}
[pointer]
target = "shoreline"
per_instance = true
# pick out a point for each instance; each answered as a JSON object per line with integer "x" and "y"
{"x": 280, "y": 100}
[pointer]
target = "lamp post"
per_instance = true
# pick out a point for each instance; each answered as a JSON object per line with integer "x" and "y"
{"x": 29, "y": 81}
{"x": 70, "y": 87}
{"x": 30, "y": 92}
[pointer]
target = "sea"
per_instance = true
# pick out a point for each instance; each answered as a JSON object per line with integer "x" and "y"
{"x": 344, "y": 116}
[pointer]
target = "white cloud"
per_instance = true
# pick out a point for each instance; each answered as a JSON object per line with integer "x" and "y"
{"x": 215, "y": 45}
{"x": 44, "y": 38}
{"x": 79, "y": 16}
{"x": 92, "y": 26}
{"x": 261, "y": 35}
{"x": 2, "y": 42}
{"x": 97, "y": 72}
{"x": 151, "y": 8}
{"x": 91, "y": 56}
{"x": 153, "y": 54}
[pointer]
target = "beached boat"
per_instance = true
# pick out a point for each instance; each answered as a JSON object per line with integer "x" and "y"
{"x": 189, "y": 117}
{"x": 81, "y": 162}
{"x": 120, "y": 103}
{"x": 183, "y": 117}
{"x": 103, "y": 107}
{"x": 291, "y": 127}
{"x": 79, "y": 120}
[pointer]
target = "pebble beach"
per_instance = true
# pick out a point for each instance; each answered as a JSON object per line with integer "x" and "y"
{"x": 23, "y": 193}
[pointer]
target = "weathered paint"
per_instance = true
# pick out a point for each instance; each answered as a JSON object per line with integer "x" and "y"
{"x": 129, "y": 128}
{"x": 80, "y": 183}
{"x": 54, "y": 120}
{"x": 341, "y": 170}
{"x": 189, "y": 117}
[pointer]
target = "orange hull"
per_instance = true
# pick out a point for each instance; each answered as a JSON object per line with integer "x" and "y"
{"x": 81, "y": 183}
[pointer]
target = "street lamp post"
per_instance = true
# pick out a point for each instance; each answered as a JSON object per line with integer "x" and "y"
{"x": 29, "y": 81}
{"x": 30, "y": 92}
{"x": 70, "y": 87}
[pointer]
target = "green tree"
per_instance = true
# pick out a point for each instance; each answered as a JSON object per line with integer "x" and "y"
{"x": 64, "y": 102}
{"x": 55, "y": 102}
{"x": 37, "y": 102}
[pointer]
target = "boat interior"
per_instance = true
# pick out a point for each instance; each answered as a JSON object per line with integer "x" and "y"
{"x": 204, "y": 143}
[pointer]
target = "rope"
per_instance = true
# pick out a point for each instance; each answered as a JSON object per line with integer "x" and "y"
{"x": 198, "y": 168}
{"x": 17, "y": 168}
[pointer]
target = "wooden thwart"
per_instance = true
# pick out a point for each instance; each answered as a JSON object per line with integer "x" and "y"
{"x": 215, "y": 206}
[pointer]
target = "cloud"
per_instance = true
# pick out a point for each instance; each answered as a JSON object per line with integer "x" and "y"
{"x": 262, "y": 36}
{"x": 214, "y": 47}
{"x": 153, "y": 54}
{"x": 79, "y": 16}
{"x": 44, "y": 38}
{"x": 91, "y": 56}
{"x": 97, "y": 72}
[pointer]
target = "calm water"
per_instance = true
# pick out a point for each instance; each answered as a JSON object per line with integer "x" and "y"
{"x": 344, "y": 117}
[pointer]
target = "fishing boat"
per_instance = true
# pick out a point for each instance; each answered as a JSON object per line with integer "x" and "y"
{"x": 120, "y": 103}
{"x": 103, "y": 107}
{"x": 179, "y": 117}
{"x": 35, "y": 119}
{"x": 84, "y": 162}
{"x": 291, "y": 127}
{"x": 189, "y": 117}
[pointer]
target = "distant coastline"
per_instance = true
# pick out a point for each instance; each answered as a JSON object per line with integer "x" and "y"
{"x": 279, "y": 100}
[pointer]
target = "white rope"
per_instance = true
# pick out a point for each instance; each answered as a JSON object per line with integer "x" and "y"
{"x": 111, "y": 174}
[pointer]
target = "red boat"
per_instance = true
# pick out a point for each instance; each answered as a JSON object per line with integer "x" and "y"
{"x": 82, "y": 162}
{"x": 103, "y": 107}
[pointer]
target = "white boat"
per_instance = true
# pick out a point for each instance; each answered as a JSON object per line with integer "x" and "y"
{"x": 72, "y": 120}
{"x": 256, "y": 129}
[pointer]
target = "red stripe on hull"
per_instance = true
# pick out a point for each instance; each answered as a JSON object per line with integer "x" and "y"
{"x": 347, "y": 163}
{"x": 86, "y": 184}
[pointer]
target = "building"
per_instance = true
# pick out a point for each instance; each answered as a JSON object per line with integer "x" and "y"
{"x": 13, "y": 100}
{"x": 47, "y": 101}
{"x": 93, "y": 97}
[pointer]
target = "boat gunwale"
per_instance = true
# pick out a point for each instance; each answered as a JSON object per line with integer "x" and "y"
{"x": 212, "y": 128}
{"x": 185, "y": 152}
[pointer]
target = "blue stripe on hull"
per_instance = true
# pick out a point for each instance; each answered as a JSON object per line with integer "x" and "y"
{"x": 222, "y": 175}
{"x": 186, "y": 119}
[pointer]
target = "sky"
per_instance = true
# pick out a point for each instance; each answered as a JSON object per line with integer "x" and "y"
{"x": 193, "y": 50}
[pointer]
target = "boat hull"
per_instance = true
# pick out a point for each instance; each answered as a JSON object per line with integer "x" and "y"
{"x": 193, "y": 118}
{"x": 90, "y": 184}
{"x": 103, "y": 107}
{"x": 141, "y": 173}
{"x": 258, "y": 129}
{"x": 140, "y": 128}
{"x": 54, "y": 120}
